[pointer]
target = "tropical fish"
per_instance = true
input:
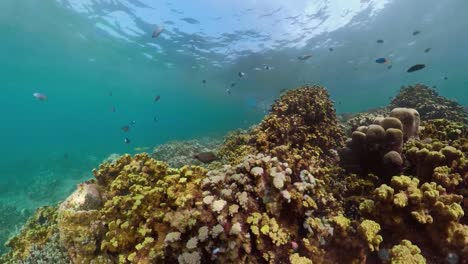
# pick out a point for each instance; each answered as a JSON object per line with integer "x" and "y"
{"x": 304, "y": 57}
{"x": 157, "y": 31}
{"x": 416, "y": 67}
{"x": 206, "y": 157}
{"x": 427, "y": 50}
{"x": 380, "y": 41}
{"x": 40, "y": 96}
{"x": 381, "y": 60}
{"x": 127, "y": 141}
{"x": 416, "y": 32}
{"x": 190, "y": 20}
{"x": 125, "y": 128}
{"x": 141, "y": 148}
{"x": 157, "y": 98}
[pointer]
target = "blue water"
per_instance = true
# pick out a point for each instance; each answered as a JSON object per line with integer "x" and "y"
{"x": 77, "y": 52}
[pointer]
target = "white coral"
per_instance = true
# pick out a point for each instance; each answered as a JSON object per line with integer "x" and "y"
{"x": 218, "y": 205}
{"x": 172, "y": 237}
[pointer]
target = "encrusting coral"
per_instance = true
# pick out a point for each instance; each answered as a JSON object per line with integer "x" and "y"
{"x": 280, "y": 198}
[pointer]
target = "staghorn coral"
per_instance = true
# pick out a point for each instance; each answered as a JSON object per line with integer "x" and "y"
{"x": 429, "y": 104}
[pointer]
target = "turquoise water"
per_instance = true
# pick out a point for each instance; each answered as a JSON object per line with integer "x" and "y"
{"x": 77, "y": 52}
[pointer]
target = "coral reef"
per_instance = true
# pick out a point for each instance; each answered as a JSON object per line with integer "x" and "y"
{"x": 429, "y": 104}
{"x": 280, "y": 197}
{"x": 180, "y": 153}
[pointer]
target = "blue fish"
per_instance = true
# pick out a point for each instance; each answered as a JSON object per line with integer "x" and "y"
{"x": 381, "y": 60}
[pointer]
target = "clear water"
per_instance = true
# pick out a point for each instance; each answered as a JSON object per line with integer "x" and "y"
{"x": 77, "y": 52}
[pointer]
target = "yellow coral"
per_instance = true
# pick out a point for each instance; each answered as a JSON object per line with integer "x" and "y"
{"x": 406, "y": 252}
{"x": 369, "y": 230}
{"x": 297, "y": 259}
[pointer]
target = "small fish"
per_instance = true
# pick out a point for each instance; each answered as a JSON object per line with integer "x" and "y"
{"x": 304, "y": 57}
{"x": 380, "y": 41}
{"x": 203, "y": 81}
{"x": 267, "y": 68}
{"x": 330, "y": 49}
{"x": 389, "y": 67}
{"x": 206, "y": 157}
{"x": 427, "y": 50}
{"x": 381, "y": 60}
{"x": 157, "y": 31}
{"x": 157, "y": 98}
{"x": 228, "y": 91}
{"x": 140, "y": 149}
{"x": 155, "y": 119}
{"x": 110, "y": 93}
{"x": 40, "y": 96}
{"x": 125, "y": 128}
{"x": 445, "y": 78}
{"x": 233, "y": 84}
{"x": 434, "y": 86}
{"x": 283, "y": 90}
{"x": 133, "y": 123}
{"x": 416, "y": 32}
{"x": 241, "y": 74}
{"x": 127, "y": 141}
{"x": 65, "y": 156}
{"x": 113, "y": 109}
{"x": 416, "y": 67}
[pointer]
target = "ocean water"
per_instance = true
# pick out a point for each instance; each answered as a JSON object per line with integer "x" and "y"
{"x": 91, "y": 57}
